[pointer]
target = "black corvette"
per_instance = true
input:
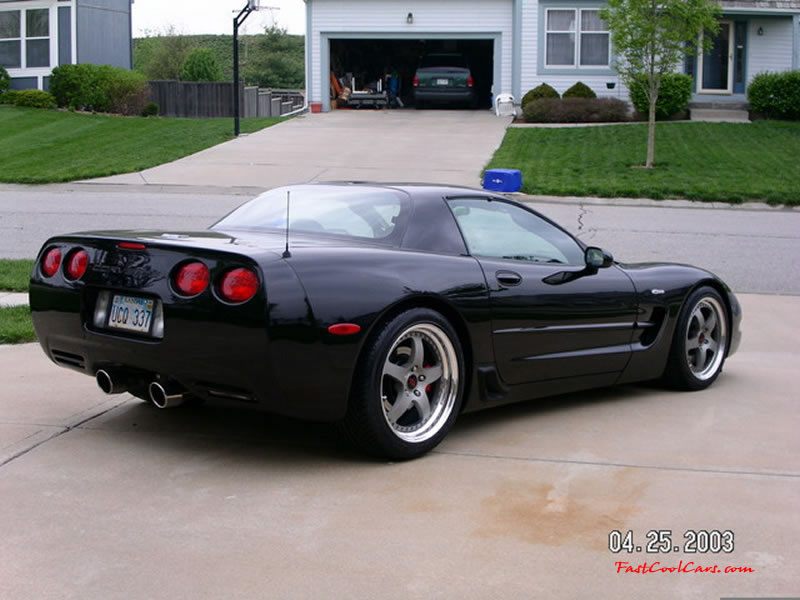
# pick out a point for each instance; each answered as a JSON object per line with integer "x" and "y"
{"x": 388, "y": 308}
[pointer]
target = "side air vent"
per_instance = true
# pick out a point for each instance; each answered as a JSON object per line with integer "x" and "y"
{"x": 67, "y": 359}
{"x": 652, "y": 327}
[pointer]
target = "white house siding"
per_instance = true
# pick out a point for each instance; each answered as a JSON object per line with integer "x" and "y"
{"x": 531, "y": 74}
{"x": 389, "y": 17}
{"x": 771, "y": 51}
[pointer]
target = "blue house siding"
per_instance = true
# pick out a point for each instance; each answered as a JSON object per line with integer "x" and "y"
{"x": 64, "y": 35}
{"x": 95, "y": 31}
{"x": 104, "y": 32}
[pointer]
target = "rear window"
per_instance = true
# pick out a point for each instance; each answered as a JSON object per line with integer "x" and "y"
{"x": 443, "y": 60}
{"x": 347, "y": 211}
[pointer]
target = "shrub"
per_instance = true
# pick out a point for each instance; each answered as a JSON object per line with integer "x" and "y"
{"x": 81, "y": 87}
{"x": 201, "y": 65}
{"x": 579, "y": 90}
{"x": 35, "y": 99}
{"x": 9, "y": 97}
{"x": 540, "y": 91}
{"x": 150, "y": 110}
{"x": 5, "y": 80}
{"x": 575, "y": 110}
{"x": 127, "y": 92}
{"x": 775, "y": 95}
{"x": 100, "y": 88}
{"x": 673, "y": 96}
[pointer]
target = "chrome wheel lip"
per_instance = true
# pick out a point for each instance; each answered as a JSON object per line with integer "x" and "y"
{"x": 702, "y": 338}
{"x": 409, "y": 379}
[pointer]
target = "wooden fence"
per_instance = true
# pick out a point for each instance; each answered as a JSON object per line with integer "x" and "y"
{"x": 206, "y": 99}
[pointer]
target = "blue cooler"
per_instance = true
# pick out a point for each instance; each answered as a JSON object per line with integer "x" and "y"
{"x": 502, "y": 180}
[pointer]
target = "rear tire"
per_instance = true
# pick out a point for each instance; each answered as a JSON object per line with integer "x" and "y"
{"x": 408, "y": 387}
{"x": 700, "y": 343}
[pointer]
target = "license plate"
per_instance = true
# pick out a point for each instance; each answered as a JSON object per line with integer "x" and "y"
{"x": 130, "y": 313}
{"x": 442, "y": 82}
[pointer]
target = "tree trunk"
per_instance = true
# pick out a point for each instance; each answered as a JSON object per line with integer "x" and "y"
{"x": 651, "y": 132}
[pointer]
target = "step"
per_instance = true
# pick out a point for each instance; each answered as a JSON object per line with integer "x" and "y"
{"x": 719, "y": 115}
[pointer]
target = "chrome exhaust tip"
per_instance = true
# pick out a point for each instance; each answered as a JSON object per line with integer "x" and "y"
{"x": 166, "y": 395}
{"x": 112, "y": 382}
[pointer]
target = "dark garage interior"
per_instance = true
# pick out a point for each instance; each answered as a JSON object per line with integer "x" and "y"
{"x": 369, "y": 60}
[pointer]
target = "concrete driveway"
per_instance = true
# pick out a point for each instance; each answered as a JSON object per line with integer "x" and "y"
{"x": 108, "y": 498}
{"x": 445, "y": 146}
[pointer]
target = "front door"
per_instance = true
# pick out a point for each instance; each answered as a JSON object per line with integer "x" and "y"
{"x": 715, "y": 66}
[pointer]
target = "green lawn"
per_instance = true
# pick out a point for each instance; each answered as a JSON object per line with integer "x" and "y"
{"x": 46, "y": 146}
{"x": 15, "y": 275}
{"x": 727, "y": 162}
{"x": 16, "y": 326}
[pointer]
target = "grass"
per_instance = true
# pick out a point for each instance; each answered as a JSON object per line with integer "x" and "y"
{"x": 48, "y": 146}
{"x": 15, "y": 275}
{"x": 16, "y": 326}
{"x": 724, "y": 162}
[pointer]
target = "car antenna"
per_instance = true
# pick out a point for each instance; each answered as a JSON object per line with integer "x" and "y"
{"x": 286, "y": 253}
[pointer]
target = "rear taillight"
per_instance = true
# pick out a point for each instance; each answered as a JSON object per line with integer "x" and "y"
{"x": 470, "y": 81}
{"x": 51, "y": 262}
{"x": 416, "y": 81}
{"x": 77, "y": 262}
{"x": 191, "y": 279}
{"x": 238, "y": 285}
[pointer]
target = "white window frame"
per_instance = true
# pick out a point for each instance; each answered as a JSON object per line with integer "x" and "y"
{"x": 52, "y": 22}
{"x": 578, "y": 33}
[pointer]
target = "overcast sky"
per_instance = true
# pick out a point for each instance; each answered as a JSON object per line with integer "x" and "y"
{"x": 214, "y": 16}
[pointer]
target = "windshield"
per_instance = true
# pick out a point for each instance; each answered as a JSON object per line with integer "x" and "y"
{"x": 368, "y": 213}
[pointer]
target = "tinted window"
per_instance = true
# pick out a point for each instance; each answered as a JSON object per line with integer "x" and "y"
{"x": 497, "y": 229}
{"x": 443, "y": 60}
{"x": 350, "y": 211}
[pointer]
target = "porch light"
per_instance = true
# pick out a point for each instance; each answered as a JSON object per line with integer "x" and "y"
{"x": 760, "y": 31}
{"x": 410, "y": 18}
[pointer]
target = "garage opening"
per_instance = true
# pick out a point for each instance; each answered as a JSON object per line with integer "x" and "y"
{"x": 373, "y": 63}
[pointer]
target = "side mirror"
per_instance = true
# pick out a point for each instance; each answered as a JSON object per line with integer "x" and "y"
{"x": 597, "y": 258}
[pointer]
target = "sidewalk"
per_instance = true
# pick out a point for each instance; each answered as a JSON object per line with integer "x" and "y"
{"x": 12, "y": 299}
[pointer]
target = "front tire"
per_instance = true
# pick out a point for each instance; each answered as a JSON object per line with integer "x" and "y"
{"x": 700, "y": 342}
{"x": 408, "y": 387}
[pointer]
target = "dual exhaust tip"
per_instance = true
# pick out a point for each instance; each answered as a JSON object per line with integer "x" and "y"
{"x": 162, "y": 394}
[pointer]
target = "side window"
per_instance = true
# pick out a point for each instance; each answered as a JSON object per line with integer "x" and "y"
{"x": 499, "y": 230}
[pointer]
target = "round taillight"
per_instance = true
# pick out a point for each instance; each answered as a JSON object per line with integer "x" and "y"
{"x": 77, "y": 262}
{"x": 51, "y": 262}
{"x": 238, "y": 285}
{"x": 191, "y": 279}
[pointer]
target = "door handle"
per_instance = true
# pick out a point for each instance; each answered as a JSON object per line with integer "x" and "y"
{"x": 508, "y": 277}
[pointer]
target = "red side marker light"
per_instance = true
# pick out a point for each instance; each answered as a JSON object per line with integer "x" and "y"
{"x": 191, "y": 279}
{"x": 51, "y": 262}
{"x": 238, "y": 285}
{"x": 344, "y": 329}
{"x": 77, "y": 262}
{"x": 131, "y": 246}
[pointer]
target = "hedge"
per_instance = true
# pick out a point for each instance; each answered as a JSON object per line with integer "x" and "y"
{"x": 673, "y": 96}
{"x": 775, "y": 95}
{"x": 540, "y": 91}
{"x": 5, "y": 80}
{"x": 576, "y": 110}
{"x": 100, "y": 88}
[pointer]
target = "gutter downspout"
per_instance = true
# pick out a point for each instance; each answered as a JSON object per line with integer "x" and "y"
{"x": 516, "y": 52}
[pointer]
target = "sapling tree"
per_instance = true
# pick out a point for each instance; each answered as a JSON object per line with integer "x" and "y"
{"x": 651, "y": 38}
